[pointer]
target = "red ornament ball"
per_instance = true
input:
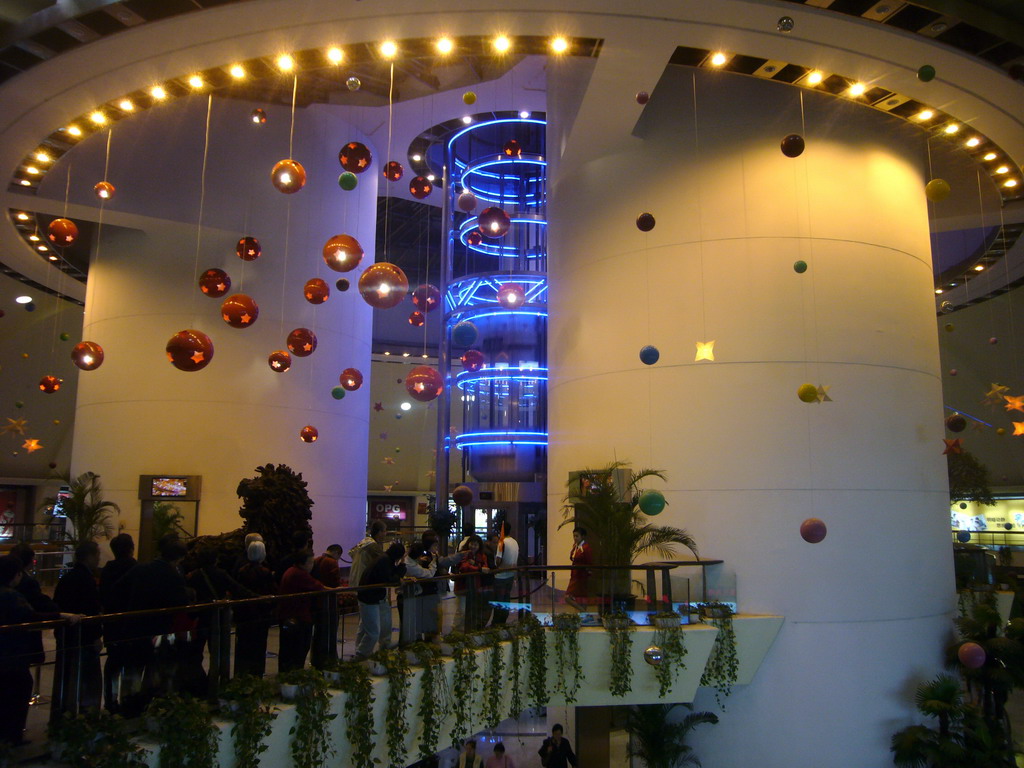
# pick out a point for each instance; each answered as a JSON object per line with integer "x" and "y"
{"x": 472, "y": 360}
{"x": 62, "y": 232}
{"x": 426, "y": 297}
{"x": 462, "y": 495}
{"x": 645, "y": 222}
{"x": 342, "y": 284}
{"x": 288, "y": 176}
{"x": 993, "y": 340}
{"x": 971, "y": 655}
{"x": 342, "y": 253}
{"x": 49, "y": 384}
{"x": 420, "y": 187}
{"x": 239, "y": 310}
{"x": 87, "y": 355}
{"x": 248, "y": 249}
{"x": 953, "y": 371}
{"x": 258, "y": 116}
{"x": 393, "y": 171}
{"x": 813, "y": 530}
{"x": 309, "y": 434}
{"x": 793, "y": 145}
{"x": 190, "y": 350}
{"x": 642, "y": 97}
{"x": 424, "y": 383}
{"x": 383, "y": 285}
{"x": 466, "y": 202}
{"x": 416, "y": 319}
{"x": 474, "y": 238}
{"x": 355, "y": 157}
{"x": 494, "y": 222}
{"x": 214, "y": 283}
{"x": 351, "y": 379}
{"x": 279, "y": 361}
{"x": 104, "y": 190}
{"x": 316, "y": 291}
{"x": 512, "y": 149}
{"x": 302, "y": 342}
{"x": 511, "y": 295}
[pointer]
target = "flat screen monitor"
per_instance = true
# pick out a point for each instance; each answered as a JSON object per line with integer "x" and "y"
{"x": 169, "y": 486}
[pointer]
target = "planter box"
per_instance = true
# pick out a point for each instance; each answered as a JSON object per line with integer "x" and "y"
{"x": 665, "y": 622}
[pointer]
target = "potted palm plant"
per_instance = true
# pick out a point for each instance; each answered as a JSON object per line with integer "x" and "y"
{"x": 659, "y": 742}
{"x": 90, "y": 515}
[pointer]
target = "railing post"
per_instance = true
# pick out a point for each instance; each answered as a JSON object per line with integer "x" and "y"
{"x": 666, "y": 587}
{"x": 652, "y": 589}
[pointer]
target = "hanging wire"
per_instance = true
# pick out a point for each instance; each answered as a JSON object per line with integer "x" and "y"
{"x": 291, "y": 130}
{"x": 1009, "y": 297}
{"x": 700, "y": 217}
{"x": 202, "y": 200}
{"x": 387, "y": 188}
{"x": 288, "y": 208}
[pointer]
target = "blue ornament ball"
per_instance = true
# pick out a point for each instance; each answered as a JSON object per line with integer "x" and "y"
{"x": 649, "y": 355}
{"x": 652, "y": 502}
{"x": 464, "y": 334}
{"x": 963, "y": 536}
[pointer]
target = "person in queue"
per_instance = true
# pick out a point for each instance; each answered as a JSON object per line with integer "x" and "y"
{"x": 253, "y": 620}
{"x": 506, "y": 558}
{"x": 114, "y": 599}
{"x": 470, "y": 595}
{"x": 77, "y": 592}
{"x": 363, "y": 555}
{"x": 374, "y": 608}
{"x": 432, "y": 591}
{"x": 296, "y": 613}
{"x": 325, "y": 621}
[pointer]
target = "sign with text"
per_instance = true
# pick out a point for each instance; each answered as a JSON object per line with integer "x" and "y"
{"x": 390, "y": 507}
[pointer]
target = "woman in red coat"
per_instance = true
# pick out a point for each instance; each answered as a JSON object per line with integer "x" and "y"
{"x": 580, "y": 555}
{"x": 471, "y": 597}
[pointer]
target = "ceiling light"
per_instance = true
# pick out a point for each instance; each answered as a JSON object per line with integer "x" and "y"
{"x": 973, "y": 141}
{"x": 52, "y": 257}
{"x": 335, "y": 55}
{"x": 430, "y": 177}
{"x": 951, "y": 128}
{"x": 467, "y": 119}
{"x": 815, "y": 77}
{"x": 42, "y": 157}
{"x": 35, "y": 171}
{"x": 389, "y": 49}
{"x": 34, "y": 238}
{"x": 285, "y": 62}
{"x": 444, "y": 45}
{"x": 237, "y": 71}
{"x": 952, "y": 285}
{"x": 1010, "y": 183}
{"x": 158, "y": 92}
{"x": 501, "y": 44}
{"x": 938, "y": 290}
{"x": 925, "y": 114}
{"x": 74, "y": 130}
{"x": 22, "y": 216}
{"x": 405, "y": 354}
{"x": 406, "y": 406}
{"x": 559, "y": 45}
{"x": 979, "y": 267}
{"x": 42, "y": 248}
{"x": 990, "y": 156}
{"x": 25, "y": 183}
{"x": 524, "y": 114}
{"x": 126, "y": 105}
{"x": 1001, "y": 169}
{"x": 857, "y": 89}
{"x": 424, "y": 356}
{"x": 23, "y": 300}
{"x": 98, "y": 117}
{"x": 417, "y": 158}
{"x": 718, "y": 59}
{"x": 386, "y": 353}
{"x": 196, "y": 81}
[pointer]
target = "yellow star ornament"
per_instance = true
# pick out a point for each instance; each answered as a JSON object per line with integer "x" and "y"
{"x": 1014, "y": 403}
{"x": 32, "y": 444}
{"x": 1018, "y": 428}
{"x": 15, "y": 426}
{"x": 823, "y": 393}
{"x": 705, "y": 351}
{"x": 995, "y": 395}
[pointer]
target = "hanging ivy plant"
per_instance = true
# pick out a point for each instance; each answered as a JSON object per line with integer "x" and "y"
{"x": 94, "y": 739}
{"x": 186, "y": 732}
{"x": 494, "y": 680}
{"x": 537, "y": 661}
{"x": 434, "y": 697}
{"x": 463, "y": 686}
{"x": 396, "y": 666}
{"x": 567, "y": 655}
{"x": 620, "y": 644}
{"x": 516, "y": 703}
{"x": 311, "y": 738}
{"x": 723, "y": 665}
{"x": 354, "y": 679}
{"x": 250, "y": 704}
{"x": 669, "y": 637}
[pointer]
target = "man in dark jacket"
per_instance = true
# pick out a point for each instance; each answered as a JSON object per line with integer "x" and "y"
{"x": 28, "y": 587}
{"x": 114, "y": 599}
{"x": 297, "y": 613}
{"x": 77, "y": 592}
{"x": 556, "y": 752}
{"x": 374, "y": 608}
{"x": 325, "y": 621}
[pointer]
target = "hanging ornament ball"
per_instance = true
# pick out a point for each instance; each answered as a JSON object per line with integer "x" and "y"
{"x": 645, "y": 222}
{"x": 511, "y": 295}
{"x": 653, "y": 655}
{"x": 953, "y": 371}
{"x": 104, "y": 190}
{"x": 49, "y": 384}
{"x": 493, "y": 222}
{"x": 474, "y": 238}
{"x": 342, "y": 284}
{"x": 416, "y": 319}
{"x": 30, "y": 307}
{"x": 949, "y": 327}
{"x": 393, "y": 170}
{"x": 807, "y": 393}
{"x": 652, "y": 502}
{"x": 189, "y": 350}
{"x": 64, "y": 335}
{"x": 469, "y": 98}
{"x": 962, "y": 505}
{"x": 288, "y": 176}
{"x": 19, "y": 404}
{"x": 649, "y": 355}
{"x": 348, "y": 181}
{"x": 52, "y": 465}
{"x": 813, "y": 530}
{"x": 302, "y": 342}
{"x": 383, "y": 285}
{"x": 993, "y": 340}
{"x": 800, "y": 266}
{"x": 62, "y": 232}
{"x": 472, "y": 360}
{"x": 342, "y": 253}
{"x": 971, "y": 655}
{"x": 946, "y": 307}
{"x": 937, "y": 190}
{"x": 466, "y": 202}
{"x": 279, "y": 361}
{"x": 351, "y": 379}
{"x": 792, "y": 145}
{"x": 353, "y": 83}
{"x": 462, "y": 495}
{"x": 258, "y": 116}
{"x": 963, "y": 536}
{"x": 24, "y": 355}
{"x": 464, "y": 334}
{"x": 512, "y": 148}
{"x": 1008, "y": 526}
{"x": 355, "y": 157}
{"x": 785, "y": 24}
{"x": 308, "y": 434}
{"x": 1000, "y": 431}
{"x": 398, "y": 415}
{"x": 248, "y": 248}
{"x": 426, "y": 297}
{"x": 424, "y": 383}
{"x": 316, "y": 291}
{"x": 214, "y": 283}
{"x": 420, "y": 187}
{"x": 926, "y": 73}
{"x": 642, "y": 97}
{"x": 338, "y": 393}
{"x": 87, "y": 355}
{"x": 956, "y": 423}
{"x": 239, "y": 310}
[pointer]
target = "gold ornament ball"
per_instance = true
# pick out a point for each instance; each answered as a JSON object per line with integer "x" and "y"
{"x": 937, "y": 190}
{"x": 469, "y": 98}
{"x": 1000, "y": 431}
{"x": 949, "y": 327}
{"x": 807, "y": 393}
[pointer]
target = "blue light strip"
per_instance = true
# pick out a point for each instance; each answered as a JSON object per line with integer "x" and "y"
{"x": 482, "y": 291}
{"x": 468, "y": 128}
{"x": 478, "y": 439}
{"x": 469, "y": 378}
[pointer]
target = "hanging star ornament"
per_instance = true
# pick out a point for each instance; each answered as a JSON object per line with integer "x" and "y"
{"x": 1018, "y": 428}
{"x": 378, "y": 407}
{"x": 431, "y": 474}
{"x": 954, "y": 446}
{"x": 31, "y": 445}
{"x": 705, "y": 351}
{"x": 387, "y": 460}
{"x": 387, "y": 488}
{"x": 15, "y": 426}
{"x": 823, "y": 393}
{"x": 995, "y": 395}
{"x": 1014, "y": 403}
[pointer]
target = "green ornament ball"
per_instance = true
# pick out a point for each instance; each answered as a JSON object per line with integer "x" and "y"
{"x": 398, "y": 450}
{"x": 652, "y": 502}
{"x": 800, "y": 266}
{"x": 19, "y": 404}
{"x": 926, "y": 73}
{"x": 338, "y": 393}
{"x": 348, "y": 181}
{"x": 65, "y": 336}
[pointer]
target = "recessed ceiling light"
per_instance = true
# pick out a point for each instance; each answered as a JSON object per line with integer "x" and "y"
{"x": 973, "y": 141}
{"x": 126, "y": 105}
{"x": 406, "y": 406}
{"x": 42, "y": 248}
{"x": 1000, "y": 170}
{"x": 559, "y": 44}
{"x": 405, "y": 354}
{"x": 718, "y": 59}
{"x": 1010, "y": 183}
{"x": 196, "y": 81}
{"x": 424, "y": 356}
{"x": 31, "y": 169}
{"x": 25, "y": 183}
{"x": 467, "y": 119}
{"x": 22, "y": 216}
{"x": 417, "y": 158}
{"x": 285, "y": 62}
{"x": 389, "y": 49}
{"x": 938, "y": 290}
{"x": 52, "y": 257}
{"x": 34, "y": 238}
{"x": 23, "y": 300}
{"x": 98, "y": 117}
{"x": 158, "y": 92}
{"x": 815, "y": 77}
{"x": 857, "y": 89}
{"x": 990, "y": 156}
{"x": 237, "y": 71}
{"x": 979, "y": 267}
{"x": 925, "y": 114}
{"x": 386, "y": 353}
{"x": 501, "y": 44}
{"x": 951, "y": 128}
{"x": 42, "y": 157}
{"x": 335, "y": 55}
{"x": 444, "y": 45}
{"x": 524, "y": 114}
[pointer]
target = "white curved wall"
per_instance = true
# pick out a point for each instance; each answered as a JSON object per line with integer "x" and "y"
{"x": 137, "y": 414}
{"x": 866, "y": 610}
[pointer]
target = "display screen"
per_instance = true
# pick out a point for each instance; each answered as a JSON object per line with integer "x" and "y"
{"x": 170, "y": 486}
{"x": 58, "y": 507}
